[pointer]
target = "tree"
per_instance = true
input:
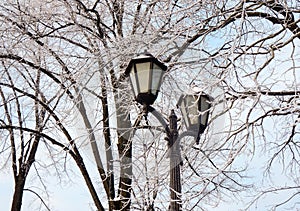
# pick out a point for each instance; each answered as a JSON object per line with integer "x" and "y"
{"x": 63, "y": 86}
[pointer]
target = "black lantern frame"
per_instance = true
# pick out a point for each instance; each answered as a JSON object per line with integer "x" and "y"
{"x": 146, "y": 74}
{"x": 195, "y": 111}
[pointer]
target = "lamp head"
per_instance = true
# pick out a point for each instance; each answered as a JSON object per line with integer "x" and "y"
{"x": 145, "y": 73}
{"x": 195, "y": 111}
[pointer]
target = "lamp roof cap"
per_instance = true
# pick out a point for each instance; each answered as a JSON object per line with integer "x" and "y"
{"x": 145, "y": 57}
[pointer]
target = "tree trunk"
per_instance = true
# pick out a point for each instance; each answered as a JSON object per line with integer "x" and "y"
{"x": 18, "y": 193}
{"x": 125, "y": 153}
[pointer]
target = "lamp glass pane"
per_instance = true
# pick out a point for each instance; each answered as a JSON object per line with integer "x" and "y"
{"x": 183, "y": 109}
{"x": 204, "y": 106}
{"x": 143, "y": 70}
{"x": 133, "y": 81}
{"x": 157, "y": 73}
{"x": 193, "y": 113}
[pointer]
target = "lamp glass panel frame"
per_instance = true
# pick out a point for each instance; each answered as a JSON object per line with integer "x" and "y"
{"x": 133, "y": 81}
{"x": 204, "y": 109}
{"x": 156, "y": 78}
{"x": 183, "y": 110}
{"x": 143, "y": 71}
{"x": 192, "y": 110}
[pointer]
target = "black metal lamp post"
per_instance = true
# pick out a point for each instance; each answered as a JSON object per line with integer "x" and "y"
{"x": 146, "y": 72}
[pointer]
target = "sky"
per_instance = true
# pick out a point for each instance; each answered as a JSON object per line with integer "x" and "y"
{"x": 75, "y": 196}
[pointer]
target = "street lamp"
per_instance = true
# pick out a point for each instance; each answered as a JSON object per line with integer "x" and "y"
{"x": 145, "y": 73}
{"x": 194, "y": 108}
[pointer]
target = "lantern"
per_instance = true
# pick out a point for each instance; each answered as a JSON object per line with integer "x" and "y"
{"x": 195, "y": 111}
{"x": 145, "y": 73}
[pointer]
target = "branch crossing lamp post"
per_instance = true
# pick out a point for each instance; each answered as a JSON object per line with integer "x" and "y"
{"x": 146, "y": 73}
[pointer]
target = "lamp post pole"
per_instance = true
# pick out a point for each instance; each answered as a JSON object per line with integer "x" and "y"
{"x": 175, "y": 162}
{"x": 146, "y": 73}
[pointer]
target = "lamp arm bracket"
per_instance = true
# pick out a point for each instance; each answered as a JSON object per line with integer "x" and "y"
{"x": 190, "y": 133}
{"x": 160, "y": 118}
